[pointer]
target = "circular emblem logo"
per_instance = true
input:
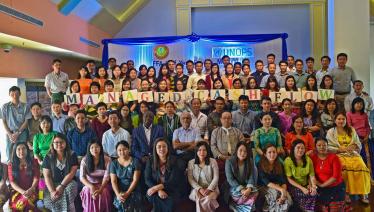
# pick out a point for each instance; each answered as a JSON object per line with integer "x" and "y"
{"x": 161, "y": 51}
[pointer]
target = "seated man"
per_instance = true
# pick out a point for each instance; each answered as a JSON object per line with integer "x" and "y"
{"x": 114, "y": 135}
{"x": 185, "y": 138}
{"x": 144, "y": 136}
{"x": 223, "y": 142}
{"x": 58, "y": 119}
{"x": 81, "y": 135}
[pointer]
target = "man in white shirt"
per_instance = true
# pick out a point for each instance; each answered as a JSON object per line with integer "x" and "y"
{"x": 325, "y": 63}
{"x": 271, "y": 60}
{"x": 291, "y": 64}
{"x": 194, "y": 78}
{"x": 114, "y": 135}
{"x": 199, "y": 119}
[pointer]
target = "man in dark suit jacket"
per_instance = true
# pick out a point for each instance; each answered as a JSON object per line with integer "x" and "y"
{"x": 144, "y": 136}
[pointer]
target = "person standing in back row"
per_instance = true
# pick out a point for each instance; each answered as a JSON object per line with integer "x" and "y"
{"x": 56, "y": 82}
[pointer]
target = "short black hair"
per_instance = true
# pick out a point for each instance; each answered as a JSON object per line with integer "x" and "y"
{"x": 259, "y": 61}
{"x": 309, "y": 59}
{"x": 115, "y": 112}
{"x": 101, "y": 104}
{"x": 179, "y": 64}
{"x": 56, "y": 61}
{"x": 243, "y": 98}
{"x": 342, "y": 55}
{"x": 225, "y": 56}
{"x": 265, "y": 98}
{"x": 291, "y": 56}
{"x": 220, "y": 98}
{"x": 14, "y": 88}
{"x": 189, "y": 61}
{"x": 270, "y": 55}
{"x": 299, "y": 60}
{"x": 283, "y": 61}
{"x": 36, "y": 104}
{"x": 81, "y": 112}
{"x": 326, "y": 57}
{"x": 358, "y": 81}
{"x": 199, "y": 61}
{"x": 112, "y": 58}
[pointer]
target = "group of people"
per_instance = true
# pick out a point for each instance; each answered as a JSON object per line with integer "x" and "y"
{"x": 241, "y": 154}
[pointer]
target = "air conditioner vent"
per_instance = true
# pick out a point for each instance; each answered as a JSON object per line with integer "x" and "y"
{"x": 19, "y": 15}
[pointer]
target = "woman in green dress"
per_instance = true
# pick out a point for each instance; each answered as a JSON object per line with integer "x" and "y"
{"x": 42, "y": 141}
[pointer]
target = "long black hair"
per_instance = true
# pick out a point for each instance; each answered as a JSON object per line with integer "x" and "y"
{"x": 16, "y": 161}
{"x": 314, "y": 114}
{"x": 90, "y": 159}
{"x": 355, "y": 101}
{"x": 248, "y": 164}
{"x": 156, "y": 159}
{"x": 207, "y": 158}
{"x": 329, "y": 101}
{"x": 292, "y": 153}
{"x": 294, "y": 88}
{"x": 52, "y": 155}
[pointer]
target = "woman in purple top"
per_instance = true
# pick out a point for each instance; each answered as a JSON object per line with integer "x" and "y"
{"x": 94, "y": 174}
{"x": 286, "y": 116}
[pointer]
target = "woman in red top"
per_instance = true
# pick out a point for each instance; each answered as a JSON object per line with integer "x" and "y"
{"x": 328, "y": 171}
{"x": 214, "y": 74}
{"x": 297, "y": 131}
{"x": 23, "y": 173}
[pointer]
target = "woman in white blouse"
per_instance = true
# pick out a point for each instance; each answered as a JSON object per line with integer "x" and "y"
{"x": 203, "y": 177}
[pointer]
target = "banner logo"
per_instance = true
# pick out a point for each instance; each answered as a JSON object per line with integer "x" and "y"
{"x": 161, "y": 51}
{"x": 232, "y": 51}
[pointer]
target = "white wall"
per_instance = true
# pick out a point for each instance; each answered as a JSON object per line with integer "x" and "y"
{"x": 156, "y": 18}
{"x": 291, "y": 19}
{"x": 351, "y": 23}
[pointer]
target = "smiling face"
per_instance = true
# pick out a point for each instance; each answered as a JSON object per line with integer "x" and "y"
{"x": 59, "y": 144}
{"x": 321, "y": 146}
{"x": 266, "y": 120}
{"x": 287, "y": 106}
{"x": 21, "y": 151}
{"x": 95, "y": 150}
{"x": 217, "y": 84}
{"x": 271, "y": 154}
{"x": 162, "y": 149}
{"x": 299, "y": 150}
{"x": 202, "y": 153}
{"x": 309, "y": 107}
{"x": 45, "y": 126}
{"x": 298, "y": 124}
{"x": 123, "y": 151}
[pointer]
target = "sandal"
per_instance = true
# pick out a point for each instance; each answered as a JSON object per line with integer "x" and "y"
{"x": 364, "y": 199}
{"x": 347, "y": 199}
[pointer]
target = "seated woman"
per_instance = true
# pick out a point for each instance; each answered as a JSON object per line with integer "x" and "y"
{"x": 59, "y": 168}
{"x": 161, "y": 177}
{"x": 42, "y": 141}
{"x": 126, "y": 122}
{"x": 24, "y": 175}
{"x": 94, "y": 175}
{"x": 328, "y": 114}
{"x": 344, "y": 141}
{"x": 265, "y": 135}
{"x": 272, "y": 181}
{"x": 329, "y": 179}
{"x": 311, "y": 117}
{"x": 298, "y": 131}
{"x": 286, "y": 116}
{"x": 203, "y": 177}
{"x": 125, "y": 177}
{"x": 240, "y": 173}
{"x": 300, "y": 175}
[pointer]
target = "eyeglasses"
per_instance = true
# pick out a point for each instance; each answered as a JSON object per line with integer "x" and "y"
{"x": 59, "y": 142}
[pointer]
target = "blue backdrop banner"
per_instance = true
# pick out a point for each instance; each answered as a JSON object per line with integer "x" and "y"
{"x": 153, "y": 50}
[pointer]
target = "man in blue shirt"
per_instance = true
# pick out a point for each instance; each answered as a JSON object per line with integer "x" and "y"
{"x": 80, "y": 136}
{"x": 259, "y": 73}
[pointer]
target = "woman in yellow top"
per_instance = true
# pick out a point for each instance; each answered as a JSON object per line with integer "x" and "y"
{"x": 344, "y": 141}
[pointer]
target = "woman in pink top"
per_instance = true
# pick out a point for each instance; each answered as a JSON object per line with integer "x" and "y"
{"x": 358, "y": 119}
{"x": 286, "y": 116}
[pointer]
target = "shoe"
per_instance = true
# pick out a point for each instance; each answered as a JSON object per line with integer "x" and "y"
{"x": 364, "y": 199}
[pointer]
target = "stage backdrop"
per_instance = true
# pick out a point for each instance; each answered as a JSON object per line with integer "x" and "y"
{"x": 157, "y": 50}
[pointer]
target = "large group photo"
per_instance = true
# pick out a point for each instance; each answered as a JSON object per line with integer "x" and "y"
{"x": 240, "y": 121}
